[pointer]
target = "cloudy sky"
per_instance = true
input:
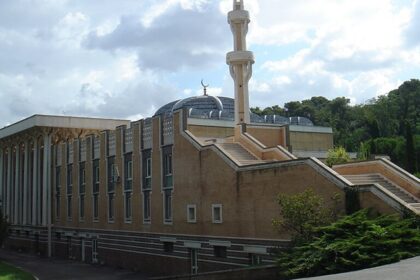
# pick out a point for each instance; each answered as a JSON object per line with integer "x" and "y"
{"x": 126, "y": 58}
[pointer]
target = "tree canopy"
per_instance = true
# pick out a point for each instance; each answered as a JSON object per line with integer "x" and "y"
{"x": 388, "y": 124}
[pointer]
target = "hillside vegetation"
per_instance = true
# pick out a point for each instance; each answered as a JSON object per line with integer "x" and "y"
{"x": 389, "y": 124}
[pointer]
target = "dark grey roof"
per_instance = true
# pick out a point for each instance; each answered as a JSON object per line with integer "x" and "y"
{"x": 205, "y": 104}
{"x": 222, "y": 108}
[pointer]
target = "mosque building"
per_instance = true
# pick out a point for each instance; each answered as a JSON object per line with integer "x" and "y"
{"x": 191, "y": 189}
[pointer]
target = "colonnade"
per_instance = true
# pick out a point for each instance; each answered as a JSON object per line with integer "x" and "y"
{"x": 25, "y": 180}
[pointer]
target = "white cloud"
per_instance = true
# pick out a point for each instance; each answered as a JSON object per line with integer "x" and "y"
{"x": 144, "y": 54}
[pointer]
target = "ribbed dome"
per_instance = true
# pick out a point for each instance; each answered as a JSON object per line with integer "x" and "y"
{"x": 200, "y": 105}
{"x": 223, "y": 108}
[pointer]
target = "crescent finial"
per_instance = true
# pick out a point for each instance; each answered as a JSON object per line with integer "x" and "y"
{"x": 204, "y": 87}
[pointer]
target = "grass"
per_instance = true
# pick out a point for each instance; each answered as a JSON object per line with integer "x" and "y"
{"x": 8, "y": 272}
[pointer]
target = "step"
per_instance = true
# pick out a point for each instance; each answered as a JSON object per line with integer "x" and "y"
{"x": 378, "y": 179}
{"x": 239, "y": 153}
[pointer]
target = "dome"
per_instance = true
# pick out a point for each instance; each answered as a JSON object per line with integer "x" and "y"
{"x": 200, "y": 106}
{"x": 222, "y": 108}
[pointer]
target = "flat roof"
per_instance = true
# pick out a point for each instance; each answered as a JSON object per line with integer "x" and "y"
{"x": 61, "y": 121}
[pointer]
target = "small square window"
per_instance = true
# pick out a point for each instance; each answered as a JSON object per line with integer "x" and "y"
{"x": 191, "y": 213}
{"x": 217, "y": 214}
{"x": 168, "y": 247}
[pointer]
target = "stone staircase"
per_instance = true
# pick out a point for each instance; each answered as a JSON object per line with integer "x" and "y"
{"x": 237, "y": 152}
{"x": 390, "y": 186}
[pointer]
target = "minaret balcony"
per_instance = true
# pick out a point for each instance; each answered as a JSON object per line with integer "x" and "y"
{"x": 238, "y": 16}
{"x": 239, "y": 57}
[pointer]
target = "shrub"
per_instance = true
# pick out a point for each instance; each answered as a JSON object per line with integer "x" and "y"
{"x": 353, "y": 242}
{"x": 337, "y": 155}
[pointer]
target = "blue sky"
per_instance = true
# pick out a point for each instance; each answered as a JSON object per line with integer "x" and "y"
{"x": 126, "y": 58}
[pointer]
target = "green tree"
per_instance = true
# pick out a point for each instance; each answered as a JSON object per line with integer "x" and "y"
{"x": 337, "y": 155}
{"x": 354, "y": 242}
{"x": 300, "y": 213}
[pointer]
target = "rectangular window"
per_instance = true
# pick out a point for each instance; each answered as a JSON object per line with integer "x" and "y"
{"x": 168, "y": 205}
{"x": 69, "y": 179}
{"x": 148, "y": 175}
{"x": 146, "y": 184}
{"x": 69, "y": 207}
{"x": 217, "y": 214}
{"x": 148, "y": 167}
{"x": 96, "y": 176}
{"x": 127, "y": 206}
{"x": 220, "y": 251}
{"x": 128, "y": 172}
{"x": 82, "y": 207}
{"x": 58, "y": 180}
{"x": 112, "y": 174}
{"x": 95, "y": 207}
{"x": 191, "y": 213}
{"x": 168, "y": 164}
{"x": 57, "y": 206}
{"x": 146, "y": 206}
{"x": 167, "y": 168}
{"x": 111, "y": 207}
{"x": 82, "y": 178}
{"x": 57, "y": 192}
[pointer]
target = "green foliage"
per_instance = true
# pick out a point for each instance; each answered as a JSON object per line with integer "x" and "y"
{"x": 391, "y": 116}
{"x": 337, "y": 155}
{"x": 353, "y": 242}
{"x": 4, "y": 226}
{"x": 364, "y": 151}
{"x": 301, "y": 213}
{"x": 8, "y": 272}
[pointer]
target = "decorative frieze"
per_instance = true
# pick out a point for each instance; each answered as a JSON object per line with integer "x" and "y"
{"x": 111, "y": 143}
{"x": 96, "y": 147}
{"x": 82, "y": 150}
{"x": 167, "y": 130}
{"x": 147, "y": 136}
{"x": 58, "y": 155}
{"x": 128, "y": 140}
{"x": 69, "y": 152}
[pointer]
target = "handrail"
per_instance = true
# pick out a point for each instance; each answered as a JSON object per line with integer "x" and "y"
{"x": 400, "y": 170}
{"x": 389, "y": 194}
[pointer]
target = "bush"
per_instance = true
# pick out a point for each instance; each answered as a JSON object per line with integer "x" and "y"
{"x": 353, "y": 242}
{"x": 337, "y": 156}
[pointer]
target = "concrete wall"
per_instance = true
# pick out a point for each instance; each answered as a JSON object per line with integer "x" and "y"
{"x": 270, "y": 136}
{"x": 211, "y": 131}
{"x": 311, "y": 141}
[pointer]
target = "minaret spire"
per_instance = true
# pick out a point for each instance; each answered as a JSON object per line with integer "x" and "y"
{"x": 240, "y": 60}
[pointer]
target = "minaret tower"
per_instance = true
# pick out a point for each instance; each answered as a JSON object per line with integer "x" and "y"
{"x": 240, "y": 61}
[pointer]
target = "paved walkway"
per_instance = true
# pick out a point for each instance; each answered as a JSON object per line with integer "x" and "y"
{"x": 405, "y": 270}
{"x": 53, "y": 269}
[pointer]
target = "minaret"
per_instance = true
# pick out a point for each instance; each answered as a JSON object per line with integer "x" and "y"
{"x": 240, "y": 61}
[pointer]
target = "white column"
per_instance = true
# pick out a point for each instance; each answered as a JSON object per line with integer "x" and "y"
{"x": 35, "y": 183}
{"x": 2, "y": 197}
{"x": 25, "y": 184}
{"x": 46, "y": 180}
{"x": 16, "y": 186}
{"x": 9, "y": 183}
